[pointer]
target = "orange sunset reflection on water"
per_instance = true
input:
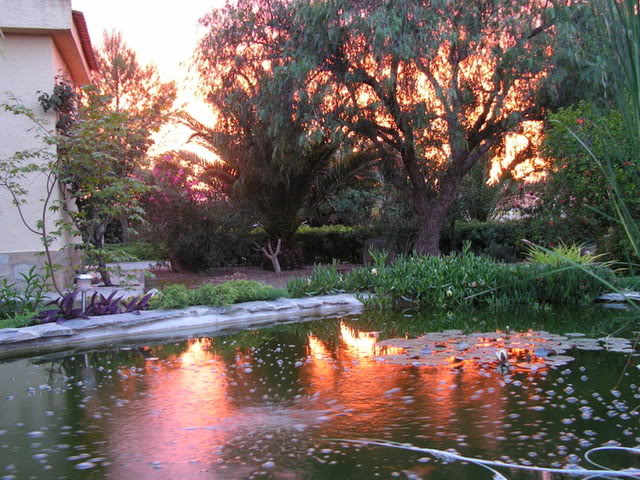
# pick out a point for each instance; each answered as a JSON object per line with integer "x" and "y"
{"x": 214, "y": 406}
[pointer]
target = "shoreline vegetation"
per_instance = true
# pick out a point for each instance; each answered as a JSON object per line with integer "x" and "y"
{"x": 458, "y": 281}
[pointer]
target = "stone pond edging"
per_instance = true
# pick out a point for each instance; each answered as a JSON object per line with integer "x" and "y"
{"x": 14, "y": 341}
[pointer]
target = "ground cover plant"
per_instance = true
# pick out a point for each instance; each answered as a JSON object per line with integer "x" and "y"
{"x": 19, "y": 304}
{"x": 221, "y": 295}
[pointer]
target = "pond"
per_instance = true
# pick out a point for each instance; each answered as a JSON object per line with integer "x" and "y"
{"x": 281, "y": 402}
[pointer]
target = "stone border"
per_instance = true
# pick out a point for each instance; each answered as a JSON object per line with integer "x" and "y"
{"x": 38, "y": 338}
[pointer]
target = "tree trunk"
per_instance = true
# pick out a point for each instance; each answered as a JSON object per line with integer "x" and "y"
{"x": 429, "y": 232}
{"x": 432, "y": 216}
{"x": 124, "y": 228}
{"x": 104, "y": 272}
{"x": 97, "y": 237}
{"x": 272, "y": 254}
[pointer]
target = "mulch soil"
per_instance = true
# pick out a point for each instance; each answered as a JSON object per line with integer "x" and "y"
{"x": 164, "y": 277}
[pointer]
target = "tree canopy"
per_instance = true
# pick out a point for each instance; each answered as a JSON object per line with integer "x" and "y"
{"x": 276, "y": 158}
{"x": 434, "y": 86}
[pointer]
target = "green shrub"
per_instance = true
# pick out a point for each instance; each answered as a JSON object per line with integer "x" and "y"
{"x": 499, "y": 240}
{"x": 250, "y": 291}
{"x": 577, "y": 190}
{"x": 332, "y": 242}
{"x": 173, "y": 296}
{"x": 30, "y": 297}
{"x": 505, "y": 241}
{"x": 629, "y": 283}
{"x": 24, "y": 319}
{"x": 137, "y": 251}
{"x": 215, "y": 295}
{"x": 201, "y": 250}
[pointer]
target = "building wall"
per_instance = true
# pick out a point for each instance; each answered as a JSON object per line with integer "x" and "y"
{"x": 35, "y": 14}
{"x": 28, "y": 64}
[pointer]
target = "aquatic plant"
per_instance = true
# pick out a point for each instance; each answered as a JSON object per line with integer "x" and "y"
{"x": 445, "y": 282}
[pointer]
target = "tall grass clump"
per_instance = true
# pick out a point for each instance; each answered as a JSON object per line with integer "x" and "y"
{"x": 562, "y": 254}
{"x": 621, "y": 22}
{"x": 462, "y": 278}
{"x": 622, "y": 25}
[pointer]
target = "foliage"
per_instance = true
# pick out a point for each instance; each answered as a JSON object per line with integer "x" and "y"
{"x": 196, "y": 228}
{"x": 352, "y": 206}
{"x": 408, "y": 82}
{"x": 88, "y": 159}
{"x": 137, "y": 251}
{"x": 623, "y": 35}
{"x": 251, "y": 291}
{"x": 499, "y": 240}
{"x": 173, "y": 296}
{"x": 20, "y": 301}
{"x": 65, "y": 309}
{"x": 101, "y": 305}
{"x": 96, "y": 155}
{"x": 212, "y": 295}
{"x": 339, "y": 242}
{"x": 562, "y": 254}
{"x": 456, "y": 280}
{"x": 576, "y": 191}
{"x": 18, "y": 170}
{"x": 137, "y": 90}
{"x": 130, "y": 86}
{"x": 483, "y": 198}
{"x": 25, "y": 319}
{"x": 136, "y": 304}
{"x": 629, "y": 283}
{"x": 221, "y": 241}
{"x": 273, "y": 174}
{"x": 215, "y": 295}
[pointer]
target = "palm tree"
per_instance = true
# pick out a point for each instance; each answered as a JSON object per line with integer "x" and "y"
{"x": 277, "y": 193}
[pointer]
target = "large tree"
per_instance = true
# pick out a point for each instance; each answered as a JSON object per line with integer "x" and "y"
{"x": 135, "y": 89}
{"x": 435, "y": 86}
{"x": 276, "y": 160}
{"x": 131, "y": 86}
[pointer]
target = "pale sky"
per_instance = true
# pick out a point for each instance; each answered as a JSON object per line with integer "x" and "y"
{"x": 162, "y": 32}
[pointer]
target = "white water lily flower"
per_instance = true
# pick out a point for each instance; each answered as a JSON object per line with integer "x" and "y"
{"x": 502, "y": 356}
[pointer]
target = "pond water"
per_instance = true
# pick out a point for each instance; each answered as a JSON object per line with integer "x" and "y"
{"x": 271, "y": 403}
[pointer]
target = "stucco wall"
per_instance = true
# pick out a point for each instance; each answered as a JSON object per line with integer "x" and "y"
{"x": 59, "y": 66}
{"x": 27, "y": 65}
{"x": 35, "y": 14}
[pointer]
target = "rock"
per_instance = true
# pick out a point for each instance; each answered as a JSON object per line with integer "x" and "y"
{"x": 53, "y": 330}
{"x": 17, "y": 335}
{"x": 619, "y": 297}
